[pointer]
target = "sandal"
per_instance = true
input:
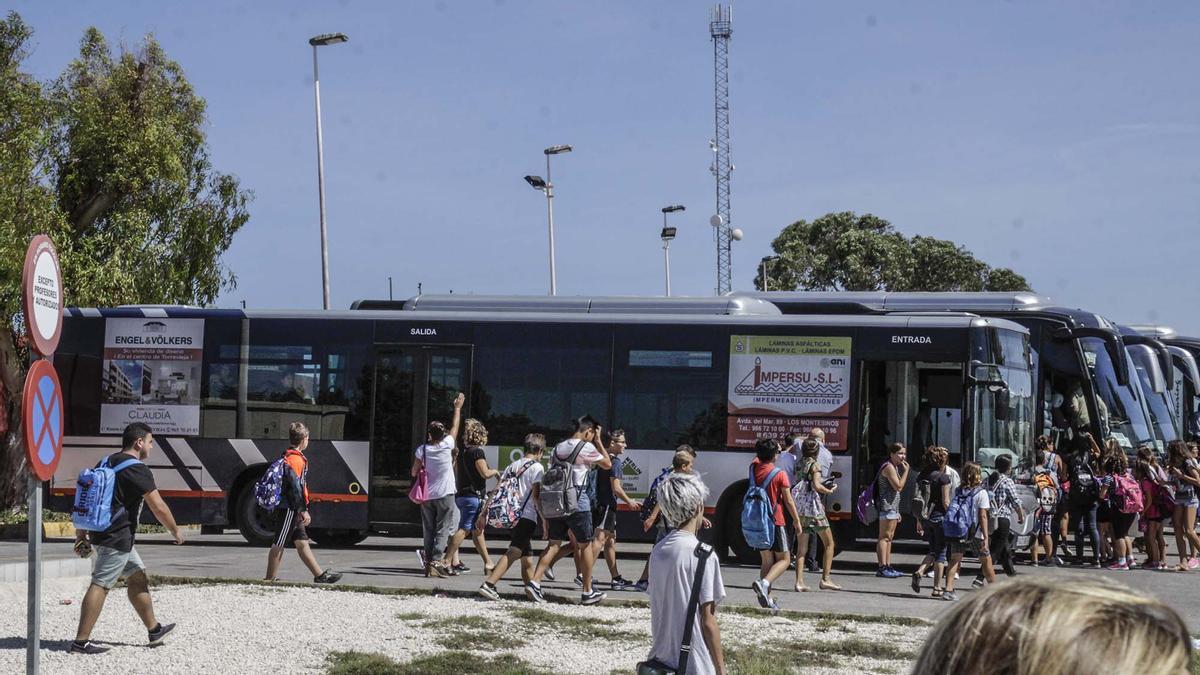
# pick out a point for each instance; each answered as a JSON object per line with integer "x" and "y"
{"x": 937, "y": 592}
{"x": 828, "y": 586}
{"x": 1182, "y": 567}
{"x": 801, "y": 588}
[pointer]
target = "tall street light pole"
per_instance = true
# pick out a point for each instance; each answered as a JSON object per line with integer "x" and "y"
{"x": 668, "y": 233}
{"x": 547, "y": 187}
{"x": 320, "y": 41}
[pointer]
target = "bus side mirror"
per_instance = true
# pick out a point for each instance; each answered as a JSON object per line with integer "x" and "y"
{"x": 1112, "y": 344}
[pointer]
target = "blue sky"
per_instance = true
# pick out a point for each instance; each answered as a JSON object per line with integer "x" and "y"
{"x": 1062, "y": 139}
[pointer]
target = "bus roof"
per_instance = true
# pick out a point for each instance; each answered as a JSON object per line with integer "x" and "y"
{"x": 730, "y": 305}
{"x": 879, "y": 302}
{"x": 610, "y": 314}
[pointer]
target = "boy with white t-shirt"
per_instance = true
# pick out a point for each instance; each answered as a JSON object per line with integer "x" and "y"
{"x": 529, "y": 477}
{"x": 589, "y": 451}
{"x": 439, "y": 515}
{"x": 673, "y": 562}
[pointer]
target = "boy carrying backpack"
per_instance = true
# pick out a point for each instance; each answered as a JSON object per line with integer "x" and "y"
{"x": 285, "y": 484}
{"x": 108, "y": 502}
{"x": 565, "y": 505}
{"x": 763, "y": 526}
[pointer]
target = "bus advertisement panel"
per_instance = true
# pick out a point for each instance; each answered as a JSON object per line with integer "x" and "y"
{"x": 151, "y": 374}
{"x": 785, "y": 383}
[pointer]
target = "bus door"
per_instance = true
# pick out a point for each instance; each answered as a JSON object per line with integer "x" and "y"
{"x": 414, "y": 385}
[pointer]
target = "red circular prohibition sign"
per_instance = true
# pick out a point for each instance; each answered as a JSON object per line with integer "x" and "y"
{"x": 42, "y": 417}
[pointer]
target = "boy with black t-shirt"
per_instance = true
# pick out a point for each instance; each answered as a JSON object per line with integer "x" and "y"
{"x": 115, "y": 553}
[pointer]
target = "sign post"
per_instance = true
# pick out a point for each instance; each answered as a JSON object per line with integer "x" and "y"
{"x": 41, "y": 413}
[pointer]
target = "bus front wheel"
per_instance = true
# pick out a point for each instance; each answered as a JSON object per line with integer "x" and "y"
{"x": 254, "y": 523}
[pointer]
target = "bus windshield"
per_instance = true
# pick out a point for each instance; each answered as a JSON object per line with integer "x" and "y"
{"x": 1004, "y": 419}
{"x": 1122, "y": 415}
{"x": 1162, "y": 414}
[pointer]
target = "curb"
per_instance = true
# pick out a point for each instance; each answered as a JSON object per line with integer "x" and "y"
{"x": 51, "y": 569}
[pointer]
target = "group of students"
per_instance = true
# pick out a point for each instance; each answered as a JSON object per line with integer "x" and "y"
{"x": 1101, "y": 495}
{"x": 453, "y": 489}
{"x": 1093, "y": 491}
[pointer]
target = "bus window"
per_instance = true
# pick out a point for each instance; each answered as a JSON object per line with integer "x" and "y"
{"x": 667, "y": 397}
{"x": 529, "y": 379}
{"x": 301, "y": 371}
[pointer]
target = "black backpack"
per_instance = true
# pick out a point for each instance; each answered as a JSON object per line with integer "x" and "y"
{"x": 1085, "y": 489}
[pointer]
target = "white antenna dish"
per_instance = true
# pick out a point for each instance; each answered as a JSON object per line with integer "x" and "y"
{"x": 716, "y": 221}
{"x": 736, "y": 234}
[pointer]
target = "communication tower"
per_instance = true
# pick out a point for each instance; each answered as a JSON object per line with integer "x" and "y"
{"x": 721, "y": 29}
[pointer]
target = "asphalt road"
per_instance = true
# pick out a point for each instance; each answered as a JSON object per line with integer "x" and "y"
{"x": 391, "y": 562}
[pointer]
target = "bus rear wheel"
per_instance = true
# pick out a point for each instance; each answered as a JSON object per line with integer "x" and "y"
{"x": 255, "y": 524}
{"x": 327, "y": 538}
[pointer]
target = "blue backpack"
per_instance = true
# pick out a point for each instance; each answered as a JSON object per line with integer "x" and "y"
{"x": 93, "y": 510}
{"x": 268, "y": 491}
{"x": 961, "y": 516}
{"x": 758, "y": 516}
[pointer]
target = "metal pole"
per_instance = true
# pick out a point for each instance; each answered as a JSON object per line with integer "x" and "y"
{"x": 389, "y": 288}
{"x": 667, "y": 263}
{"x": 321, "y": 187}
{"x": 550, "y": 218}
{"x": 667, "y": 255}
{"x": 766, "y": 279}
{"x": 34, "y": 582}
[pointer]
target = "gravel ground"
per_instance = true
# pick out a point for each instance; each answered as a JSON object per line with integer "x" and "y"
{"x": 229, "y": 628}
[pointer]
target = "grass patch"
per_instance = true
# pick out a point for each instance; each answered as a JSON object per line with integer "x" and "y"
{"x": 446, "y": 663}
{"x": 870, "y": 649}
{"x": 477, "y": 641}
{"x": 462, "y": 622}
{"x": 580, "y": 627}
{"x": 747, "y": 660}
{"x": 156, "y": 580}
{"x": 836, "y": 617}
{"x": 411, "y": 616}
{"x": 803, "y": 656}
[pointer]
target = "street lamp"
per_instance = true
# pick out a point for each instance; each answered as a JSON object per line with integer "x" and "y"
{"x": 547, "y": 187}
{"x": 767, "y": 279}
{"x": 322, "y": 40}
{"x": 668, "y": 233}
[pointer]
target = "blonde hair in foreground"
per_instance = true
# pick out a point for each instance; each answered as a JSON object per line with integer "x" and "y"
{"x": 1057, "y": 627}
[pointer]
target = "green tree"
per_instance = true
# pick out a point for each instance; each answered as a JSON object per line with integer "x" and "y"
{"x": 110, "y": 160}
{"x": 848, "y": 252}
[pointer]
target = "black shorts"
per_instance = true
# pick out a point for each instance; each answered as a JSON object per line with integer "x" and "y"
{"x": 579, "y": 523}
{"x": 521, "y": 536}
{"x": 288, "y": 528}
{"x": 604, "y": 518}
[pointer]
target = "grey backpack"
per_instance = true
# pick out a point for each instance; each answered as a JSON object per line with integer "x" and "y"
{"x": 558, "y": 497}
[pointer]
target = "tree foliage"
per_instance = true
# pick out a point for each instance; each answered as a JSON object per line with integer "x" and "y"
{"x": 109, "y": 159}
{"x": 849, "y": 252}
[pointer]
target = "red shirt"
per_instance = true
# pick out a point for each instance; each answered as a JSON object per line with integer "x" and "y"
{"x": 776, "y": 489}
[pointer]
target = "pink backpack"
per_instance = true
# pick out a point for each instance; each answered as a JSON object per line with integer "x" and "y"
{"x": 1128, "y": 494}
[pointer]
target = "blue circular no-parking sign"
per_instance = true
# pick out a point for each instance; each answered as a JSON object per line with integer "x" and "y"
{"x": 42, "y": 414}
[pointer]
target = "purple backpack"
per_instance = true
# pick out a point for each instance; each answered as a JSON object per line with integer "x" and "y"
{"x": 865, "y": 507}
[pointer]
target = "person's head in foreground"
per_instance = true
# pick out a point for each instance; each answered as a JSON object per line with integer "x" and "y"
{"x": 1058, "y": 626}
{"x": 681, "y": 498}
